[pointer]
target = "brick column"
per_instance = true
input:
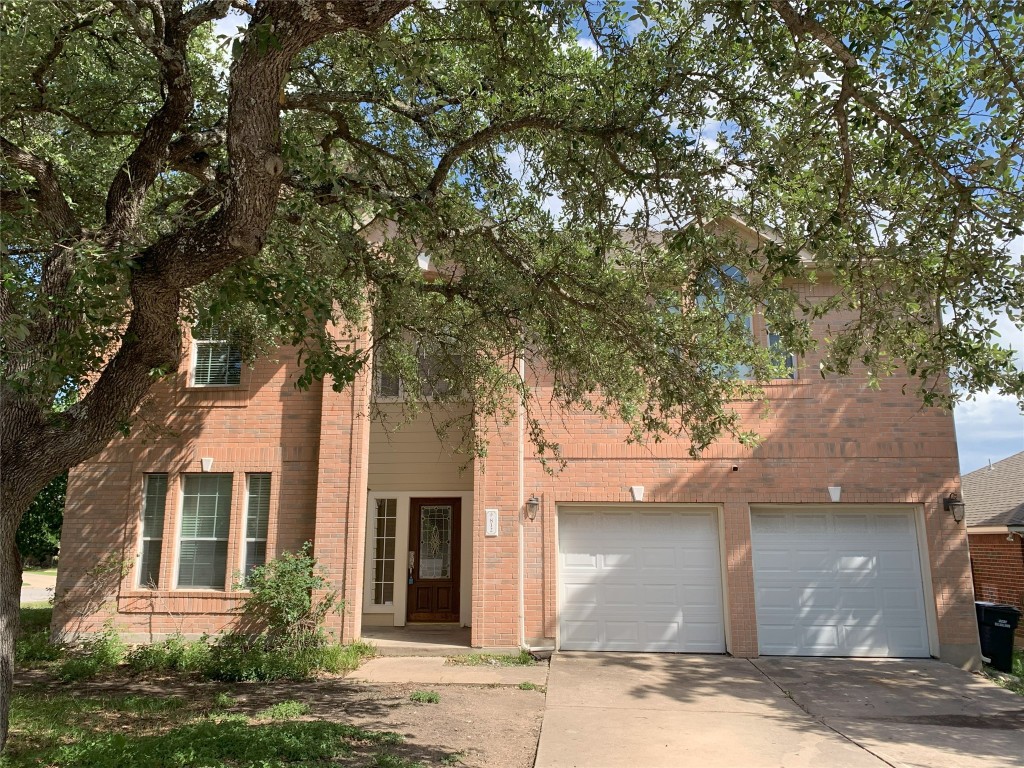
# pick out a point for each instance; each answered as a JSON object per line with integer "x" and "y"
{"x": 342, "y": 477}
{"x": 496, "y": 483}
{"x": 739, "y": 580}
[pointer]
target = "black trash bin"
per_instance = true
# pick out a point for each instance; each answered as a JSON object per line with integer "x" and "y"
{"x": 996, "y": 624}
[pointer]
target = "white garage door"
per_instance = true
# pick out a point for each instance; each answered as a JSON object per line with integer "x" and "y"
{"x": 640, "y": 581}
{"x": 838, "y": 582}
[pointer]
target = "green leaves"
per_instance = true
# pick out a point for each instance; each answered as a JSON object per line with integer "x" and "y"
{"x": 567, "y": 168}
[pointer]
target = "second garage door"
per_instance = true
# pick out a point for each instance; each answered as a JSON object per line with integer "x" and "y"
{"x": 640, "y": 581}
{"x": 838, "y": 582}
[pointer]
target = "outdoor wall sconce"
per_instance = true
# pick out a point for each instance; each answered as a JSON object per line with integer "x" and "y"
{"x": 207, "y": 464}
{"x": 834, "y": 492}
{"x": 953, "y": 503}
{"x": 532, "y": 507}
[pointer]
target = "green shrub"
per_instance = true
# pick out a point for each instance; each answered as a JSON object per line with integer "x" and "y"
{"x": 175, "y": 654}
{"x": 425, "y": 697}
{"x": 281, "y": 635}
{"x": 33, "y": 647}
{"x": 38, "y": 536}
{"x": 281, "y": 603}
{"x": 236, "y": 657}
{"x": 284, "y": 710}
{"x": 100, "y": 654}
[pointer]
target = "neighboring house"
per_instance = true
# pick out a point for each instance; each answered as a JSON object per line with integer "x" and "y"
{"x": 995, "y": 529}
{"x": 629, "y": 547}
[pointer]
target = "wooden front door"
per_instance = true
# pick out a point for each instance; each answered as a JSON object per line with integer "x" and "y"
{"x": 433, "y": 564}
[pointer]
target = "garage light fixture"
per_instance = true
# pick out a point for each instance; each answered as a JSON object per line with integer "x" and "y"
{"x": 954, "y": 504}
{"x": 532, "y": 507}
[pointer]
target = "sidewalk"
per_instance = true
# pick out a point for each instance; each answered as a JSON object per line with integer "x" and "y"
{"x": 37, "y": 587}
{"x": 435, "y": 670}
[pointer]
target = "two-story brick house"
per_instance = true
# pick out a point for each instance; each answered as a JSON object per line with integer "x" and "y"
{"x": 829, "y": 538}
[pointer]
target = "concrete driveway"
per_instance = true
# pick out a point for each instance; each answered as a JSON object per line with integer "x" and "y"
{"x": 614, "y": 709}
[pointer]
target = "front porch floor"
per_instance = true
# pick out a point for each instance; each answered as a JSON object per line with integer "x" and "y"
{"x": 420, "y": 640}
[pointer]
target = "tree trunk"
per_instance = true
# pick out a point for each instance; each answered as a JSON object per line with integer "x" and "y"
{"x": 10, "y": 601}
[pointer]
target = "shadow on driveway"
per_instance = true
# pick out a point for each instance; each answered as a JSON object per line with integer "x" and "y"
{"x": 615, "y": 709}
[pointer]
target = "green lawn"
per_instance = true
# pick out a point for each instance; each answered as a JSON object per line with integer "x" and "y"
{"x": 62, "y": 725}
{"x": 62, "y": 728}
{"x": 43, "y": 571}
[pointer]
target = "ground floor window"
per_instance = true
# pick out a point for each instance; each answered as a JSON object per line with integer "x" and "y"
{"x": 385, "y": 520}
{"x": 154, "y": 503}
{"x": 257, "y": 517}
{"x": 205, "y": 524}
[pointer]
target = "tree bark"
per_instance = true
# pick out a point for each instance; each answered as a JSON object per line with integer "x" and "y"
{"x": 11, "y": 509}
{"x": 37, "y": 444}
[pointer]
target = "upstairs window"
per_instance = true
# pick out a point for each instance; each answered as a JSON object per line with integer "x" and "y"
{"x": 216, "y": 356}
{"x": 431, "y": 362}
{"x": 780, "y": 356}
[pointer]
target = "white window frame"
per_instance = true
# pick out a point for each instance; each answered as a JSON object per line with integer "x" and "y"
{"x": 194, "y": 360}
{"x": 374, "y": 558}
{"x": 790, "y": 356}
{"x": 180, "y": 523}
{"x": 246, "y": 538}
{"x": 378, "y": 375}
{"x": 143, "y": 538}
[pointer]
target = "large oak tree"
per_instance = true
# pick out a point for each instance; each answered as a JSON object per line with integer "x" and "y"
{"x": 562, "y": 164}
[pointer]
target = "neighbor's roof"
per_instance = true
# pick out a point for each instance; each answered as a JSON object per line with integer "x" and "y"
{"x": 995, "y": 494}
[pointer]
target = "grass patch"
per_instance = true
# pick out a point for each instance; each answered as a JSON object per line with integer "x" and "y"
{"x": 521, "y": 659}
{"x": 99, "y": 655}
{"x": 425, "y": 697}
{"x": 1017, "y": 686}
{"x": 284, "y": 710}
{"x": 62, "y": 730}
{"x": 33, "y": 649}
{"x": 42, "y": 571}
{"x": 528, "y": 686}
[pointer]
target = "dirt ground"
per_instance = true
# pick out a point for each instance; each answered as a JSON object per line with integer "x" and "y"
{"x": 475, "y": 726}
{"x": 471, "y": 725}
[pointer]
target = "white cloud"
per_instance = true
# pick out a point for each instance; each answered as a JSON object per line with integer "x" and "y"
{"x": 989, "y": 427}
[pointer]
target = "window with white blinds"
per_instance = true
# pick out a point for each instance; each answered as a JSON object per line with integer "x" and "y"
{"x": 205, "y": 523}
{"x": 217, "y": 356}
{"x": 257, "y": 519}
{"x": 154, "y": 503}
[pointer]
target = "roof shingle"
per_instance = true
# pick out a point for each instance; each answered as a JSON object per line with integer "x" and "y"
{"x": 995, "y": 495}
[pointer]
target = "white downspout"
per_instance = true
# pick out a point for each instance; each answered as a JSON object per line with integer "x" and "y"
{"x": 519, "y": 511}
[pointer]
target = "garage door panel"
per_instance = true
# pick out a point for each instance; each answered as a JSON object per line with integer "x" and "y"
{"x": 853, "y": 585}
{"x": 655, "y": 583}
{"x": 658, "y": 557}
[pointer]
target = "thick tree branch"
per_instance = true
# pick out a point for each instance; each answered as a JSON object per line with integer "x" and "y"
{"x": 50, "y": 201}
{"x": 137, "y": 173}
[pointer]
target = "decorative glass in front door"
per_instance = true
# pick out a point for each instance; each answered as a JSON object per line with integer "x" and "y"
{"x": 435, "y": 542}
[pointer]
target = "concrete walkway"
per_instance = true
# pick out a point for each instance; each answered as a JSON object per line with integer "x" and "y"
{"x": 37, "y": 587}
{"x": 435, "y": 670}
{"x": 609, "y": 709}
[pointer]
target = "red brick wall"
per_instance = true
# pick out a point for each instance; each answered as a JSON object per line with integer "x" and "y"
{"x": 997, "y": 566}
{"x": 879, "y": 445}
